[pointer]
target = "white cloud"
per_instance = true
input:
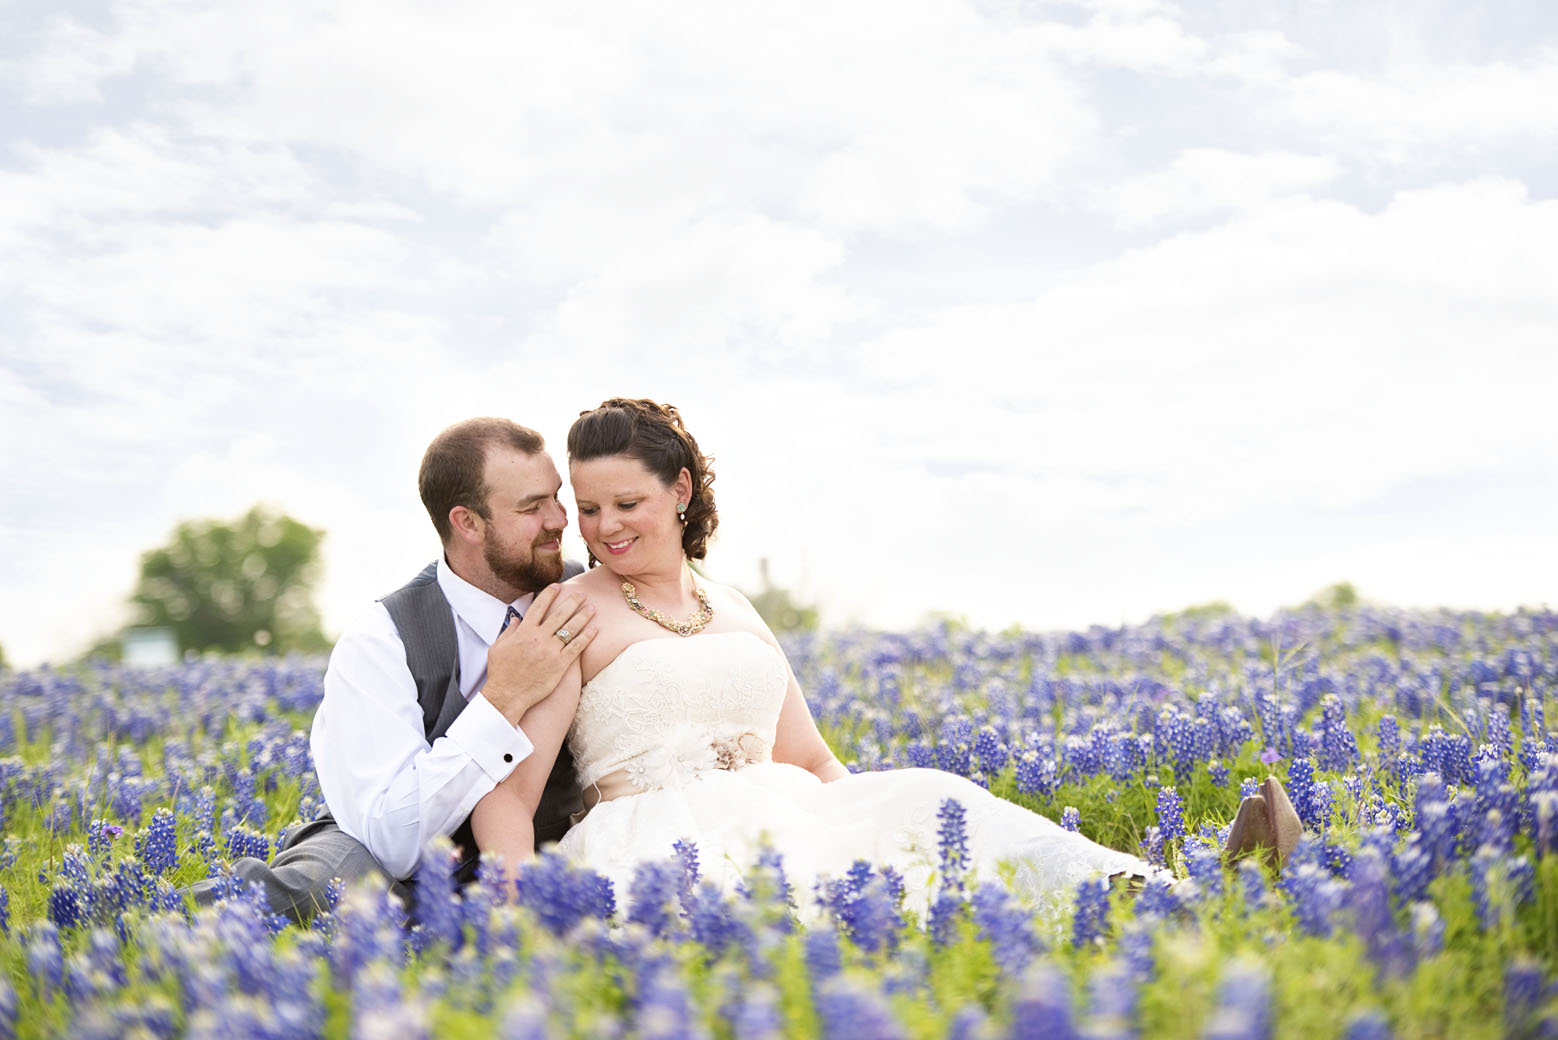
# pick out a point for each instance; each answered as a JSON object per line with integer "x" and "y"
{"x": 264, "y": 252}
{"x": 1399, "y": 113}
{"x": 1211, "y": 180}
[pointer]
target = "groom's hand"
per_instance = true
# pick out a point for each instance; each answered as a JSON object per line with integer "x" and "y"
{"x": 528, "y": 659}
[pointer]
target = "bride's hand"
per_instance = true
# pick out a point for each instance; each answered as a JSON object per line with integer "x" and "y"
{"x": 529, "y": 658}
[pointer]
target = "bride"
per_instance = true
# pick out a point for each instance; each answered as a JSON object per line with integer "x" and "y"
{"x": 686, "y": 723}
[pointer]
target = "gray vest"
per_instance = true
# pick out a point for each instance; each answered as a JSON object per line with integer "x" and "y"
{"x": 426, "y": 625}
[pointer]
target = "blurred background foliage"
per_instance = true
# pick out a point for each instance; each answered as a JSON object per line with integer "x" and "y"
{"x": 235, "y": 586}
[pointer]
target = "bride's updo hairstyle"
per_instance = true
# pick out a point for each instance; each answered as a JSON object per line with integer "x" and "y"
{"x": 654, "y": 435}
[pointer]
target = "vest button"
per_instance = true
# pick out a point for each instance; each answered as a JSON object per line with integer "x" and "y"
{"x": 507, "y": 757}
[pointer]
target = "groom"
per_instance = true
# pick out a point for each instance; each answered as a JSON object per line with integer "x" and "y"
{"x": 425, "y": 691}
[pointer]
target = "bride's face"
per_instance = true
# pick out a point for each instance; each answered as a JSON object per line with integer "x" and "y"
{"x": 627, "y": 517}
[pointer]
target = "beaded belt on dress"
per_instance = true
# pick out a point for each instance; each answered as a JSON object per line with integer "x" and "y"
{"x": 729, "y": 753}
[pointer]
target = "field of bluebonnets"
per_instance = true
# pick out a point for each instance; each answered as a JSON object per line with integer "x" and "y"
{"x": 1423, "y": 900}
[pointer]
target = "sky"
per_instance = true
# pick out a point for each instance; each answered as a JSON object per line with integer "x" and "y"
{"x": 1046, "y": 312}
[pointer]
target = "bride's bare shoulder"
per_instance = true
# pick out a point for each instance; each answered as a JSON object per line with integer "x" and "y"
{"x": 592, "y": 583}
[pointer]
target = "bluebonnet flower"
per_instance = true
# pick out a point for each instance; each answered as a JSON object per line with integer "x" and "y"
{"x": 1006, "y": 926}
{"x": 1301, "y": 789}
{"x": 970, "y": 1023}
{"x": 241, "y": 841}
{"x": 1320, "y": 804}
{"x": 45, "y": 957}
{"x": 438, "y": 911}
{"x": 663, "y": 1008}
{"x": 822, "y": 954}
{"x": 157, "y": 848}
{"x": 1367, "y": 1025}
{"x": 654, "y": 896}
{"x": 687, "y": 855}
{"x": 100, "y": 837}
{"x": 757, "y": 1015}
{"x": 64, "y": 906}
{"x": 561, "y": 895}
{"x": 1113, "y": 993}
{"x": 1500, "y": 884}
{"x": 1204, "y": 864}
{"x": 1070, "y": 818}
{"x": 850, "y": 1010}
{"x": 766, "y": 887}
{"x": 8, "y": 1007}
{"x": 1249, "y": 787}
{"x": 1171, "y": 814}
{"x": 1243, "y": 1009}
{"x": 954, "y": 747}
{"x": 1218, "y": 772}
{"x": 1315, "y": 895}
{"x": 865, "y": 906}
{"x": 1412, "y": 870}
{"x": 1152, "y": 845}
{"x": 5, "y": 911}
{"x": 1368, "y": 902}
{"x": 919, "y": 755}
{"x": 1156, "y": 900}
{"x": 1042, "y": 1008}
{"x": 1036, "y": 774}
{"x": 1091, "y": 919}
{"x": 1427, "y": 930}
{"x": 990, "y": 751}
{"x": 713, "y": 923}
{"x": 1338, "y": 747}
{"x": 1387, "y": 735}
{"x": 1525, "y": 988}
{"x": 523, "y": 1018}
{"x": 1252, "y": 882}
{"x": 952, "y": 840}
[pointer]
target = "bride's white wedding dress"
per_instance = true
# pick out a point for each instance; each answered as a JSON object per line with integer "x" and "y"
{"x": 675, "y": 735}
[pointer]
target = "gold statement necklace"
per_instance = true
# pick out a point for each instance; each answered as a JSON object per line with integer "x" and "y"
{"x": 700, "y": 617}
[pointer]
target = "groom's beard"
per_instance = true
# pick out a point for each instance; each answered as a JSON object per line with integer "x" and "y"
{"x": 533, "y": 573}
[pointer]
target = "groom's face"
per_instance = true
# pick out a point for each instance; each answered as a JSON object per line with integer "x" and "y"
{"x": 522, "y": 542}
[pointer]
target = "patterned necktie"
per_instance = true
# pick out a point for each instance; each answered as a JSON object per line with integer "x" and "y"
{"x": 508, "y": 619}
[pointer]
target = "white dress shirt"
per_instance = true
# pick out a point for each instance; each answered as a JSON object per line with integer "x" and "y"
{"x": 385, "y": 786}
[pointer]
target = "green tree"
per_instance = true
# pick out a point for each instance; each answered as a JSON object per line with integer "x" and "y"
{"x": 236, "y": 586}
{"x": 779, "y": 609}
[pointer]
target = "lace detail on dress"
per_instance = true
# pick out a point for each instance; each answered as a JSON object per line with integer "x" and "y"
{"x": 663, "y": 715}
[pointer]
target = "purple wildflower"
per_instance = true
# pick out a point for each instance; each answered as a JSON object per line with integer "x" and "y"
{"x": 823, "y": 957}
{"x": 849, "y": 1010}
{"x": 1243, "y": 1004}
{"x": 561, "y": 895}
{"x": 654, "y": 896}
{"x": 1091, "y": 919}
{"x": 1171, "y": 814}
{"x": 1525, "y": 988}
{"x": 1071, "y": 819}
{"x": 1042, "y": 1009}
{"x": 1006, "y": 926}
{"x": 687, "y": 855}
{"x": 1367, "y": 1025}
{"x": 1036, "y": 774}
{"x": 156, "y": 846}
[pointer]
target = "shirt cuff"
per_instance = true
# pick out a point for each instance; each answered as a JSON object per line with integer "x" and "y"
{"x": 491, "y": 740}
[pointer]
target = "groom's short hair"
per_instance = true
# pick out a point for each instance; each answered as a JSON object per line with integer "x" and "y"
{"x": 454, "y": 466}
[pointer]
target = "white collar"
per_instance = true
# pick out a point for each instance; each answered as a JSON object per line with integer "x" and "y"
{"x": 482, "y": 612}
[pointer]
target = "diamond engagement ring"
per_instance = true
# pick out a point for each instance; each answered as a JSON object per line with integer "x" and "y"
{"x": 562, "y": 633}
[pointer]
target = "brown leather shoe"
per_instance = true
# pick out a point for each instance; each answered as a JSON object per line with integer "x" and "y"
{"x": 1266, "y": 821}
{"x": 1284, "y": 819}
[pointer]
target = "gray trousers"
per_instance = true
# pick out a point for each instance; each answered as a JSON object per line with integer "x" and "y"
{"x": 296, "y": 881}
